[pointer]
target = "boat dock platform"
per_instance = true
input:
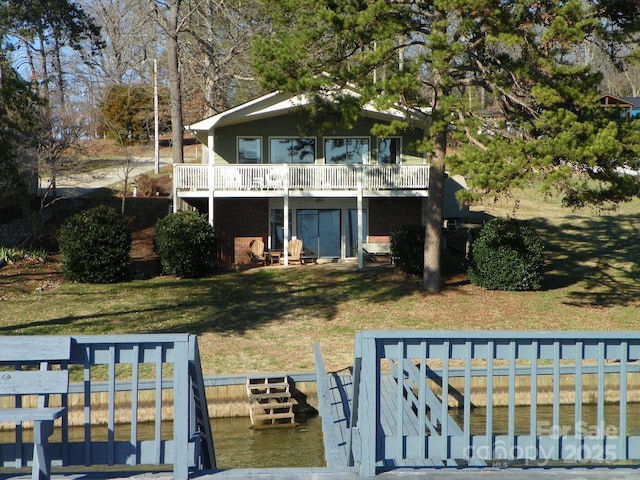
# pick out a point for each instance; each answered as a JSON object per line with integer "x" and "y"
{"x": 402, "y": 411}
{"x": 613, "y": 473}
{"x": 393, "y": 409}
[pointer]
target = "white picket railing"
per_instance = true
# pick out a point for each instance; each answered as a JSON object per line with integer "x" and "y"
{"x": 301, "y": 177}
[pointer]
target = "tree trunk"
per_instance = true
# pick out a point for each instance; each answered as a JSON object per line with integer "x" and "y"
{"x": 175, "y": 89}
{"x": 431, "y": 277}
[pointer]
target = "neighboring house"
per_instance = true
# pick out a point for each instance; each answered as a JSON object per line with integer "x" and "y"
{"x": 340, "y": 189}
{"x": 630, "y": 106}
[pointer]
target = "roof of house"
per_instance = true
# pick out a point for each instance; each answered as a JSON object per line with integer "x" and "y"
{"x": 277, "y": 103}
{"x": 635, "y": 101}
{"x": 624, "y": 102}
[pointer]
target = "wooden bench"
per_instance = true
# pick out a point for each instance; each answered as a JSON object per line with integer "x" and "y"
{"x": 25, "y": 371}
{"x": 375, "y": 251}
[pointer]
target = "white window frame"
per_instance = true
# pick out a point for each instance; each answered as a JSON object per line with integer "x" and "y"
{"x": 398, "y": 159}
{"x": 259, "y": 152}
{"x": 285, "y": 137}
{"x": 365, "y": 161}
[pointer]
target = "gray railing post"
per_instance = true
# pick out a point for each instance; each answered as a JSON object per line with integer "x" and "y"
{"x": 354, "y": 450}
{"x": 181, "y": 410}
{"x": 369, "y": 404}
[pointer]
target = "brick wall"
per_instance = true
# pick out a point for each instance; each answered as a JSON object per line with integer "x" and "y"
{"x": 238, "y": 222}
{"x": 387, "y": 215}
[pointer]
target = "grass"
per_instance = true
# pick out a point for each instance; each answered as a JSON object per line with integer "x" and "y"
{"x": 266, "y": 319}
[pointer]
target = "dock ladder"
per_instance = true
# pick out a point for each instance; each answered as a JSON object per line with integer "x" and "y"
{"x": 270, "y": 402}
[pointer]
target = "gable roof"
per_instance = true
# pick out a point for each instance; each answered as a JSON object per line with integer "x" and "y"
{"x": 634, "y": 101}
{"x": 622, "y": 102}
{"x": 278, "y": 103}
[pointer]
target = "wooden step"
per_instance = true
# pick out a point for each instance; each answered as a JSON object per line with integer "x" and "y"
{"x": 266, "y": 396}
{"x": 268, "y": 380}
{"x": 270, "y": 402}
{"x": 268, "y": 386}
{"x": 274, "y": 416}
{"x": 271, "y": 406}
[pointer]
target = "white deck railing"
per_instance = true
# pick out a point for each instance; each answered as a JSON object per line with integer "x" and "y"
{"x": 301, "y": 177}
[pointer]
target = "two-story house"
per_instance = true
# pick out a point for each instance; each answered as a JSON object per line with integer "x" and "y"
{"x": 262, "y": 178}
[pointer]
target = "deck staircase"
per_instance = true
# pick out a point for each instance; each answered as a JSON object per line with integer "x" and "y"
{"x": 270, "y": 402}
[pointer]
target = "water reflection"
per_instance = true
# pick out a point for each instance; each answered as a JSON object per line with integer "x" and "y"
{"x": 237, "y": 445}
{"x": 587, "y": 423}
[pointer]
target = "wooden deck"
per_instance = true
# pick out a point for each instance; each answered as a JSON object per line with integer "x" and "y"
{"x": 386, "y": 416}
{"x": 331, "y": 474}
{"x": 336, "y": 428}
{"x": 389, "y": 412}
{"x": 436, "y": 474}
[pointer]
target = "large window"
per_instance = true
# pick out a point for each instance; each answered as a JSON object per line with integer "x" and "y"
{"x": 346, "y": 151}
{"x": 389, "y": 151}
{"x": 250, "y": 150}
{"x": 292, "y": 150}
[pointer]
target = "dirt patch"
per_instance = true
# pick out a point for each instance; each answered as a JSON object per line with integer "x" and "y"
{"x": 144, "y": 260}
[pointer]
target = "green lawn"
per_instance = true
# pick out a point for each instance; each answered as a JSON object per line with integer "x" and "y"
{"x": 266, "y": 319}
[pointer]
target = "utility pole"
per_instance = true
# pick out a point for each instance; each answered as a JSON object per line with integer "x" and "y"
{"x": 156, "y": 122}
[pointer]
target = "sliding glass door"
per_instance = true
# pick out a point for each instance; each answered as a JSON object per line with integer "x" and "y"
{"x": 319, "y": 231}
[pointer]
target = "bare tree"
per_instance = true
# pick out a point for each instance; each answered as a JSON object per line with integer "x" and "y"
{"x": 130, "y": 37}
{"x": 216, "y": 50}
{"x": 168, "y": 16}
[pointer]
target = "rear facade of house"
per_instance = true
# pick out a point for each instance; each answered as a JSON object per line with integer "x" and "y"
{"x": 340, "y": 189}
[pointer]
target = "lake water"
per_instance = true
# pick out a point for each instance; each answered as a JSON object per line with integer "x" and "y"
{"x": 237, "y": 445}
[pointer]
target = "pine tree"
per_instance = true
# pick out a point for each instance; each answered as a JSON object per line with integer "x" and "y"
{"x": 439, "y": 54}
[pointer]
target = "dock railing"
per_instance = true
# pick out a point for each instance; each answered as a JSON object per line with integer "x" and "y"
{"x": 155, "y": 413}
{"x": 429, "y": 398}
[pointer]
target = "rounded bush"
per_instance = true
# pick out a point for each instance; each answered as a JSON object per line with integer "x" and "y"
{"x": 96, "y": 246}
{"x": 507, "y": 255}
{"x": 185, "y": 243}
{"x": 407, "y": 248}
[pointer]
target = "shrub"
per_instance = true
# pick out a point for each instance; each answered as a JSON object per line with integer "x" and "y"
{"x": 145, "y": 186}
{"x": 151, "y": 186}
{"x": 163, "y": 186}
{"x": 95, "y": 246}
{"x": 407, "y": 248}
{"x": 507, "y": 255}
{"x": 185, "y": 243}
{"x": 12, "y": 255}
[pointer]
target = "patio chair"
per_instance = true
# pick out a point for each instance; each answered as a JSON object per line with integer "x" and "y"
{"x": 231, "y": 179}
{"x": 275, "y": 179}
{"x": 256, "y": 252}
{"x": 295, "y": 251}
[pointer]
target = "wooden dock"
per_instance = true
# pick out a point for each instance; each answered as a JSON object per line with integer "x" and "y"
{"x": 488, "y": 473}
{"x": 337, "y": 434}
{"x": 392, "y": 409}
{"x": 387, "y": 416}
